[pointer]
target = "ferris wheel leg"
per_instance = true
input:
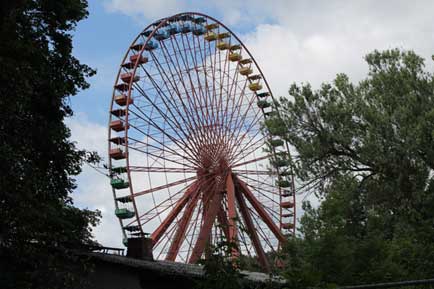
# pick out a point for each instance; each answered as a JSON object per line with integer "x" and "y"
{"x": 156, "y": 235}
{"x": 232, "y": 215}
{"x": 252, "y": 231}
{"x": 182, "y": 227}
{"x": 205, "y": 230}
{"x": 223, "y": 221}
{"x": 261, "y": 211}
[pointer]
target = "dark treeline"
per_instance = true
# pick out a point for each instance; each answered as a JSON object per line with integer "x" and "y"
{"x": 366, "y": 151}
{"x": 39, "y": 226}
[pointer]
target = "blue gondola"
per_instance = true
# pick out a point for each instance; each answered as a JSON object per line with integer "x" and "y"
{"x": 186, "y": 17}
{"x": 199, "y": 30}
{"x": 151, "y": 45}
{"x": 146, "y": 33}
{"x": 173, "y": 29}
{"x": 199, "y": 20}
{"x": 161, "y": 35}
{"x": 156, "y": 23}
{"x": 185, "y": 27}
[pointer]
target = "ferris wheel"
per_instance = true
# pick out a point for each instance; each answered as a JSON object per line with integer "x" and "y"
{"x": 196, "y": 145}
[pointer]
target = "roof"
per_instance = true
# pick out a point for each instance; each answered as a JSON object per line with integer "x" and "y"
{"x": 178, "y": 269}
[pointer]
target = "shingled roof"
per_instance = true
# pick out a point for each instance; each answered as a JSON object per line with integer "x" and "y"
{"x": 178, "y": 271}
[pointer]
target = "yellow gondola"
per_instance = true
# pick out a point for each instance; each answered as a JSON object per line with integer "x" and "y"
{"x": 245, "y": 70}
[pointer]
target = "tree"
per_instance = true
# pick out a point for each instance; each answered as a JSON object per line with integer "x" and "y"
{"x": 367, "y": 150}
{"x": 220, "y": 270}
{"x": 38, "y": 223}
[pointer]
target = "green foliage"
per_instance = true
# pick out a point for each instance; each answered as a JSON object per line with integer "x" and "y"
{"x": 367, "y": 151}
{"x": 39, "y": 226}
{"x": 275, "y": 126}
{"x": 221, "y": 271}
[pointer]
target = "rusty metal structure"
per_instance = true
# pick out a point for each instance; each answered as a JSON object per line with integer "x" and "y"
{"x": 196, "y": 152}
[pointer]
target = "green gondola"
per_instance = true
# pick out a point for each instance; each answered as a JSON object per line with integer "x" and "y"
{"x": 119, "y": 184}
{"x": 283, "y": 183}
{"x": 123, "y": 213}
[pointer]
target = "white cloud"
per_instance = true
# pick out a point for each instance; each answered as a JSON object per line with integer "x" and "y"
{"x": 309, "y": 41}
{"x": 286, "y": 56}
{"x": 148, "y": 9}
{"x": 93, "y": 190}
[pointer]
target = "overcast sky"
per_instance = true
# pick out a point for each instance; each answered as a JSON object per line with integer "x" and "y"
{"x": 292, "y": 41}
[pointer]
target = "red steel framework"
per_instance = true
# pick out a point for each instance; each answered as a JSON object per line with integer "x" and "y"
{"x": 192, "y": 158}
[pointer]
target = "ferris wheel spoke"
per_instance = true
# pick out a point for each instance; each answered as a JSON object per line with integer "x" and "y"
{"x": 205, "y": 65}
{"x": 222, "y": 60}
{"x": 252, "y": 230}
{"x": 187, "y": 69}
{"x": 239, "y": 126}
{"x": 170, "y": 154}
{"x": 249, "y": 143}
{"x": 158, "y": 149}
{"x": 209, "y": 72}
{"x": 224, "y": 131}
{"x": 223, "y": 221}
{"x": 253, "y": 172}
{"x": 236, "y": 124}
{"x": 151, "y": 121}
{"x": 187, "y": 112}
{"x": 243, "y": 239}
{"x": 175, "y": 211}
{"x": 261, "y": 232}
{"x": 210, "y": 216}
{"x": 160, "y": 156}
{"x": 231, "y": 95}
{"x": 271, "y": 213}
{"x": 260, "y": 192}
{"x": 252, "y": 161}
{"x": 174, "y": 119}
{"x": 208, "y": 66}
{"x": 224, "y": 77}
{"x": 182, "y": 226}
{"x": 193, "y": 229}
{"x": 260, "y": 209}
{"x": 251, "y": 181}
{"x": 163, "y": 187}
{"x": 236, "y": 108}
{"x": 176, "y": 141}
{"x": 161, "y": 169}
{"x": 207, "y": 134}
{"x": 215, "y": 91}
{"x": 167, "y": 236}
{"x": 203, "y": 92}
{"x": 176, "y": 66}
{"x": 206, "y": 187}
{"x": 145, "y": 218}
{"x": 253, "y": 147}
{"x": 187, "y": 65}
{"x": 232, "y": 213}
{"x": 213, "y": 61}
{"x": 173, "y": 88}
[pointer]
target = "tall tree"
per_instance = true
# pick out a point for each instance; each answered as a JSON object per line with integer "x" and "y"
{"x": 38, "y": 222}
{"x": 368, "y": 150}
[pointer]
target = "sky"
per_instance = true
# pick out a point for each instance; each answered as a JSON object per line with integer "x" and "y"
{"x": 292, "y": 41}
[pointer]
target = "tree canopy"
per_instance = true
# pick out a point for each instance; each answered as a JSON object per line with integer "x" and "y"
{"x": 38, "y": 222}
{"x": 366, "y": 150}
